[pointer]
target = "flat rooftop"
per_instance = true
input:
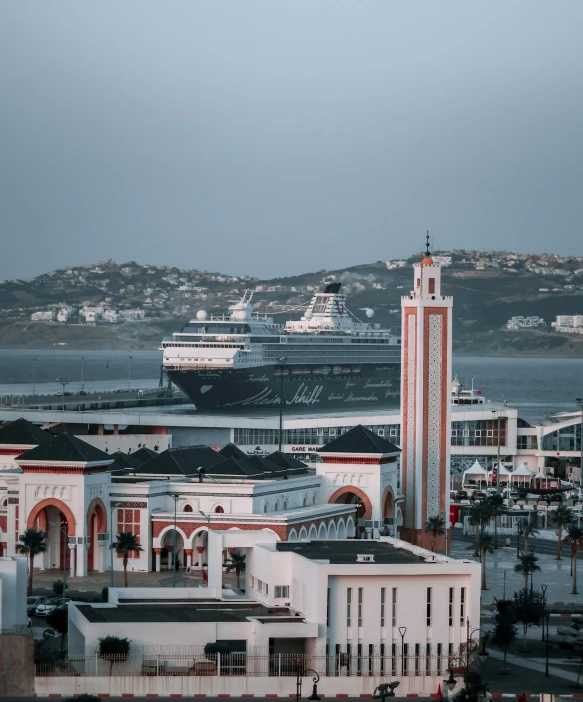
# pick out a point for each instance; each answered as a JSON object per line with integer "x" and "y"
{"x": 346, "y": 552}
{"x": 155, "y": 611}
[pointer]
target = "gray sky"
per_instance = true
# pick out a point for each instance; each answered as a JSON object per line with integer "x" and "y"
{"x": 272, "y": 137}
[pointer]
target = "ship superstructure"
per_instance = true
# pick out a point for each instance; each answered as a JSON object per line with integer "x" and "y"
{"x": 326, "y": 359}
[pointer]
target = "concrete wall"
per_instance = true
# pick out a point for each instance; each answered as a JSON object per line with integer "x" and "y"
{"x": 17, "y": 666}
{"x": 190, "y": 685}
{"x": 13, "y": 574}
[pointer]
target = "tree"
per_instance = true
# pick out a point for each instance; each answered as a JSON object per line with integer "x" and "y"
{"x": 58, "y": 620}
{"x": 30, "y": 544}
{"x": 504, "y": 632}
{"x": 126, "y": 543}
{"x": 574, "y": 539}
{"x": 479, "y": 516}
{"x": 486, "y": 546}
{"x": 237, "y": 562}
{"x": 528, "y": 609}
{"x": 561, "y": 517}
{"x": 496, "y": 504}
{"x": 528, "y": 530}
{"x": 114, "y": 649}
{"x": 58, "y": 586}
{"x": 435, "y": 525}
{"x": 527, "y": 564}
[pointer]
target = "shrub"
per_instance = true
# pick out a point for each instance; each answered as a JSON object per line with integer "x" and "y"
{"x": 213, "y": 647}
{"x": 114, "y": 649}
{"x": 105, "y": 594}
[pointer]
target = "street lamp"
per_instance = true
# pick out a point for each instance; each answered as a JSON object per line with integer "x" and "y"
{"x": 129, "y": 373}
{"x": 300, "y": 673}
{"x": 82, "y": 373}
{"x": 174, "y": 496}
{"x": 546, "y": 617}
{"x": 112, "y": 507}
{"x": 63, "y": 528}
{"x": 64, "y": 382}
{"x": 208, "y": 526}
{"x": 402, "y": 632}
{"x": 281, "y": 360}
{"x": 34, "y": 376}
{"x": 580, "y": 401}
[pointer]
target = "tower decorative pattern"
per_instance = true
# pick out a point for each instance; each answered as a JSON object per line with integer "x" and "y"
{"x": 410, "y": 438}
{"x": 434, "y": 399}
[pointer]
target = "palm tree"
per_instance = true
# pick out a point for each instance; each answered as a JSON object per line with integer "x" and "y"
{"x": 528, "y": 530}
{"x": 435, "y": 525}
{"x": 528, "y": 564}
{"x": 561, "y": 517}
{"x": 237, "y": 563}
{"x": 486, "y": 546}
{"x": 574, "y": 539}
{"x": 496, "y": 504}
{"x": 126, "y": 543}
{"x": 31, "y": 543}
{"x": 479, "y": 516}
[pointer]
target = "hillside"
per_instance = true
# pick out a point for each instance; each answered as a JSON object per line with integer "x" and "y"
{"x": 110, "y": 305}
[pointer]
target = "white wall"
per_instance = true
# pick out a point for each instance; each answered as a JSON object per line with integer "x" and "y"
{"x": 13, "y": 575}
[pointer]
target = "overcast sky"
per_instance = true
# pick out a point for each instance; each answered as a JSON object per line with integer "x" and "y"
{"x": 273, "y": 137}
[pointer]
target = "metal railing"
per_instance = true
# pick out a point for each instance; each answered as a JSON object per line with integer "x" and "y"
{"x": 413, "y": 662}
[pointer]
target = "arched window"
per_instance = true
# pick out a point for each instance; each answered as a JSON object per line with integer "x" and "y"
{"x": 188, "y": 508}
{"x": 265, "y": 508}
{"x": 219, "y": 510}
{"x": 305, "y": 500}
{"x": 314, "y": 499}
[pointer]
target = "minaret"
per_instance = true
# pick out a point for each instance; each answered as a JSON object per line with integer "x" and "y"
{"x": 425, "y": 402}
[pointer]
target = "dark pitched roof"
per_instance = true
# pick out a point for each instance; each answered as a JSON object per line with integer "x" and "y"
{"x": 235, "y": 467}
{"x": 21, "y": 432}
{"x": 286, "y": 461}
{"x": 233, "y": 451}
{"x": 143, "y": 454}
{"x": 270, "y": 469}
{"x": 123, "y": 460}
{"x": 359, "y": 439}
{"x": 182, "y": 461}
{"x": 65, "y": 448}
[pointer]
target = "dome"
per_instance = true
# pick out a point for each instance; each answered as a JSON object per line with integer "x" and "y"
{"x": 201, "y": 314}
{"x": 427, "y": 261}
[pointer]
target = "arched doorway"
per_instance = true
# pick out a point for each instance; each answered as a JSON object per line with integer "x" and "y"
{"x": 56, "y": 519}
{"x": 168, "y": 553}
{"x": 352, "y": 495}
{"x": 96, "y": 524}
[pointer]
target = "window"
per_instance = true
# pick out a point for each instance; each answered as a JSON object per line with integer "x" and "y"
{"x": 348, "y": 606}
{"x": 348, "y": 658}
{"x": 428, "y": 606}
{"x": 406, "y": 659}
{"x": 359, "y": 659}
{"x": 266, "y": 588}
{"x": 428, "y": 659}
{"x": 463, "y": 605}
{"x": 394, "y": 607}
{"x": 382, "y": 659}
{"x": 260, "y": 585}
{"x": 451, "y": 606}
{"x": 219, "y": 510}
{"x": 381, "y": 432}
{"x": 281, "y": 591}
{"x": 188, "y": 508}
{"x": 359, "y": 606}
{"x": 328, "y": 608}
{"x": 439, "y": 647}
{"x": 382, "y": 606}
{"x": 129, "y": 520}
{"x": 431, "y": 286}
{"x": 252, "y": 581}
{"x": 394, "y": 659}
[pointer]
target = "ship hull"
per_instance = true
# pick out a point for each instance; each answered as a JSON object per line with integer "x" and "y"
{"x": 240, "y": 391}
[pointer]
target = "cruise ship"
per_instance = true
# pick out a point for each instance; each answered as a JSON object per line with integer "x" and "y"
{"x": 327, "y": 360}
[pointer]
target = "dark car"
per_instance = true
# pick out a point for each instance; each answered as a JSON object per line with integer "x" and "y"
{"x": 479, "y": 495}
{"x": 462, "y": 495}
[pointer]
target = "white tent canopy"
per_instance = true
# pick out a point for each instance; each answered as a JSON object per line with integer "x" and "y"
{"x": 524, "y": 471}
{"x": 476, "y": 469}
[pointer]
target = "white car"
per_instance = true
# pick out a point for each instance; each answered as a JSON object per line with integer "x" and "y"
{"x": 33, "y": 602}
{"x": 49, "y": 606}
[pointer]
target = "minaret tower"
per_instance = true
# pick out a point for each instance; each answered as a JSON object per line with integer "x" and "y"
{"x": 425, "y": 402}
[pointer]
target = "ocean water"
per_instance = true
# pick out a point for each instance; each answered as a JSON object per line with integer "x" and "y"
{"x": 535, "y": 386}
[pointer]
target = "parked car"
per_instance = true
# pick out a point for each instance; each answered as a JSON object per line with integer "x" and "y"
{"x": 32, "y": 603}
{"x": 50, "y": 605}
{"x": 478, "y": 495}
{"x": 492, "y": 491}
{"x": 462, "y": 495}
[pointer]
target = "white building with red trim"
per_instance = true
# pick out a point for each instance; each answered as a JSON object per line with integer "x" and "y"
{"x": 81, "y": 496}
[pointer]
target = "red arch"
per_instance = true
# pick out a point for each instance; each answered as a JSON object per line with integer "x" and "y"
{"x": 101, "y": 513}
{"x": 355, "y": 491}
{"x": 388, "y": 502}
{"x": 52, "y": 502}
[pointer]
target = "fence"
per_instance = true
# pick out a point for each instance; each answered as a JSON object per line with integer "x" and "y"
{"x": 410, "y": 661}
